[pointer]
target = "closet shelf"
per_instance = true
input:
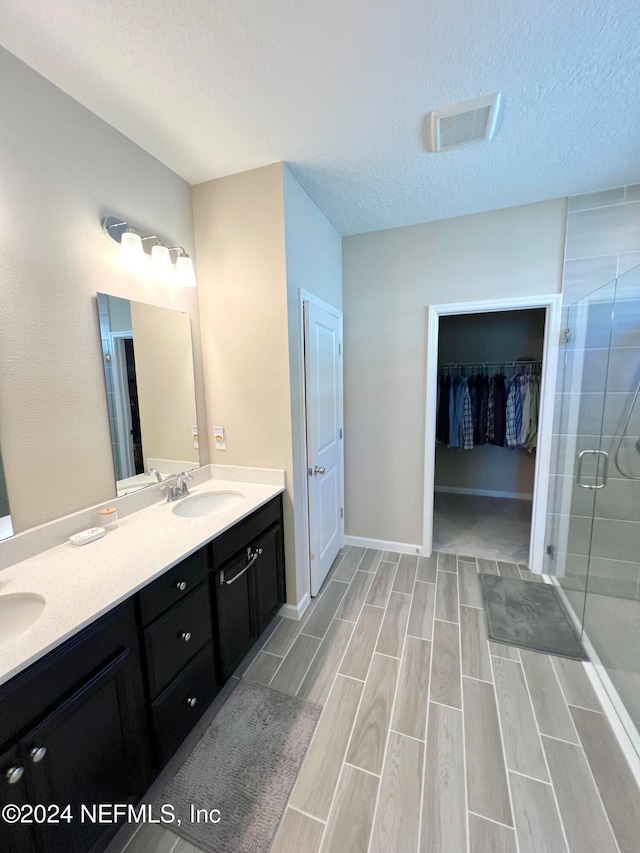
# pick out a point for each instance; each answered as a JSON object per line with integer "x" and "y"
{"x": 456, "y": 364}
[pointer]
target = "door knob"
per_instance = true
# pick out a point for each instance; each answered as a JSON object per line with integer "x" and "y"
{"x": 318, "y": 469}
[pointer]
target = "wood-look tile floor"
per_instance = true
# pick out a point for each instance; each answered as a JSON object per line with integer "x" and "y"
{"x": 433, "y": 739}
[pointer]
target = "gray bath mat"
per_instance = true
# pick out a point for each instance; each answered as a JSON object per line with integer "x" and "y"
{"x": 245, "y": 765}
{"x": 532, "y": 615}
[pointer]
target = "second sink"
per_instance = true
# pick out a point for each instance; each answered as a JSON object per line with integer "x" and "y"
{"x": 18, "y": 612}
{"x": 210, "y": 503}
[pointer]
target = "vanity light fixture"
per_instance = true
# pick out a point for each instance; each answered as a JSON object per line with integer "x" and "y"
{"x": 131, "y": 250}
{"x": 160, "y": 260}
{"x": 185, "y": 276}
{"x": 135, "y": 245}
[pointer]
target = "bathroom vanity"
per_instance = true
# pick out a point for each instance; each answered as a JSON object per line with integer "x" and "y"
{"x": 93, "y": 720}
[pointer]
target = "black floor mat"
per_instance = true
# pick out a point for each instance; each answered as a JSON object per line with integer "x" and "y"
{"x": 531, "y": 615}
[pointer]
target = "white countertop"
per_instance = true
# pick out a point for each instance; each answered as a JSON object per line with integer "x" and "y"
{"x": 82, "y": 583}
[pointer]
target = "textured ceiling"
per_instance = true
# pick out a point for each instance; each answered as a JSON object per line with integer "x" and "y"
{"x": 338, "y": 89}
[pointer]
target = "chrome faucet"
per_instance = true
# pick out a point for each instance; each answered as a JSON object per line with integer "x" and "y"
{"x": 180, "y": 489}
{"x": 156, "y": 472}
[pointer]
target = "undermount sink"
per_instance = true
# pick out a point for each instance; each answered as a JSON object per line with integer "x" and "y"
{"x": 18, "y": 612}
{"x": 197, "y": 506}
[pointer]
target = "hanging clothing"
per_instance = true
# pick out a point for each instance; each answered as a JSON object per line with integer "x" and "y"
{"x": 480, "y": 420}
{"x": 442, "y": 423}
{"x": 526, "y": 406}
{"x": 467, "y": 419}
{"x": 499, "y": 410}
{"x": 479, "y": 409}
{"x": 532, "y": 437}
{"x": 456, "y": 412}
{"x": 514, "y": 413}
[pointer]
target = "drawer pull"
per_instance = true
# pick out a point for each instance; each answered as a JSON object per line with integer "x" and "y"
{"x": 185, "y": 636}
{"x": 181, "y": 585}
{"x": 38, "y": 753}
{"x": 192, "y": 701}
{"x": 252, "y": 556}
{"x": 14, "y": 774}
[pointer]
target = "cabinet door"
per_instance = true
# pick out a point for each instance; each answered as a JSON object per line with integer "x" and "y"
{"x": 269, "y": 576}
{"x": 236, "y": 620}
{"x": 17, "y": 837}
{"x": 87, "y": 752}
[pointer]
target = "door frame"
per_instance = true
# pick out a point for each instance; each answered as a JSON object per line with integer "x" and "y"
{"x": 552, "y": 303}
{"x": 305, "y": 296}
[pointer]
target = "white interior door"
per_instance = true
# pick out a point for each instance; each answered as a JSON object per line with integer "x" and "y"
{"x": 323, "y": 394}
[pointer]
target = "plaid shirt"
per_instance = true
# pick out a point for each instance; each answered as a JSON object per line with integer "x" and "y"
{"x": 491, "y": 414}
{"x": 467, "y": 420}
{"x": 514, "y": 414}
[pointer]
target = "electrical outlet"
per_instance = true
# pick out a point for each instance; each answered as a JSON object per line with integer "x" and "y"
{"x": 219, "y": 438}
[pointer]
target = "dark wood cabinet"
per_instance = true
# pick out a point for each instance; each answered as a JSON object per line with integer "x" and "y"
{"x": 248, "y": 582}
{"x": 269, "y": 577}
{"x": 233, "y": 591}
{"x": 173, "y": 639}
{"x": 181, "y": 680}
{"x": 88, "y": 722}
{"x": 90, "y": 746}
{"x": 180, "y": 706}
{"x": 14, "y": 837}
{"x": 88, "y": 755}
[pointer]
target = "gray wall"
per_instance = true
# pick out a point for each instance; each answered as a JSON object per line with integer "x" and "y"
{"x": 390, "y": 277}
{"x": 495, "y": 336}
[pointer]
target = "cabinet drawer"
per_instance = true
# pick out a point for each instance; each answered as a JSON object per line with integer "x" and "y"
{"x": 172, "y": 586}
{"x": 174, "y": 639}
{"x": 241, "y": 534}
{"x": 174, "y": 712}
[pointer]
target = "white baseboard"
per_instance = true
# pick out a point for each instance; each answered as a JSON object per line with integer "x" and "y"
{"x": 488, "y": 493}
{"x": 384, "y": 545}
{"x": 613, "y": 706}
{"x": 295, "y": 611}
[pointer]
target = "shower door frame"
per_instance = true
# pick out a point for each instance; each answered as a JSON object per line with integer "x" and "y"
{"x": 552, "y": 303}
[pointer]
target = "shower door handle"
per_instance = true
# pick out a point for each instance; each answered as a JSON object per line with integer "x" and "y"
{"x": 605, "y": 468}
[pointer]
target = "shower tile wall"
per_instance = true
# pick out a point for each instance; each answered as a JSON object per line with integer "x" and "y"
{"x": 603, "y": 241}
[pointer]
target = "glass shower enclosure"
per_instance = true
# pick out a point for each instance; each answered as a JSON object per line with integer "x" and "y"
{"x": 593, "y": 526}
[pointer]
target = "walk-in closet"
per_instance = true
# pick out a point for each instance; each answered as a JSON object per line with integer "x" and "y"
{"x": 489, "y": 373}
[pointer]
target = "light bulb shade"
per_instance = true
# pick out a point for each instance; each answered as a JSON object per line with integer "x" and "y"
{"x": 185, "y": 276}
{"x": 160, "y": 261}
{"x": 131, "y": 251}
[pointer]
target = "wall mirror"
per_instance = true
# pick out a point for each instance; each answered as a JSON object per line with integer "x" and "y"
{"x": 149, "y": 380}
{"x": 6, "y": 528}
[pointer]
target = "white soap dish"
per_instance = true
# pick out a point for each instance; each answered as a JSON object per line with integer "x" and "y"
{"x": 86, "y": 536}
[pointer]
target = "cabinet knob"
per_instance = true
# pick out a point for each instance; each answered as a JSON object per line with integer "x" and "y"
{"x": 38, "y": 753}
{"x": 192, "y": 701}
{"x": 14, "y": 774}
{"x": 181, "y": 585}
{"x": 185, "y": 636}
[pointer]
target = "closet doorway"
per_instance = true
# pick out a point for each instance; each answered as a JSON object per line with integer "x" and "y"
{"x": 490, "y": 391}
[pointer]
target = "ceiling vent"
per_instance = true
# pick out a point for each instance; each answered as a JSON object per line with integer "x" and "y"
{"x": 461, "y": 124}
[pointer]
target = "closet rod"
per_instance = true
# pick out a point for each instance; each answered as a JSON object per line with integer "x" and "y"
{"x": 485, "y": 363}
